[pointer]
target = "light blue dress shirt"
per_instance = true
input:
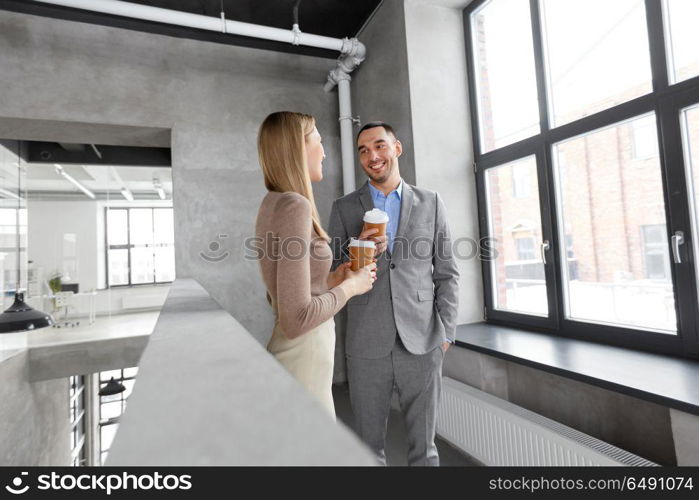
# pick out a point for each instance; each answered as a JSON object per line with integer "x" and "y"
{"x": 391, "y": 205}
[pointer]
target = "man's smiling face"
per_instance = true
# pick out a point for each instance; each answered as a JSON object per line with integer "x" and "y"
{"x": 378, "y": 153}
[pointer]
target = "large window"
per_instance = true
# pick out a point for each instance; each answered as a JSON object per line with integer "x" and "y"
{"x": 604, "y": 202}
{"x": 586, "y": 135}
{"x": 517, "y": 274}
{"x": 585, "y": 40}
{"x": 682, "y": 38}
{"x": 502, "y": 47}
{"x": 140, "y": 246}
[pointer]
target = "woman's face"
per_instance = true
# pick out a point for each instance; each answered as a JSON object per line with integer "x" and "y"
{"x": 314, "y": 155}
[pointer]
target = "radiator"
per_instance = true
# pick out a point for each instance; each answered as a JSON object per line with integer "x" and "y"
{"x": 497, "y": 432}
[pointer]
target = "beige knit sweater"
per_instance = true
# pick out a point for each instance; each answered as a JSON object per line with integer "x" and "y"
{"x": 295, "y": 263}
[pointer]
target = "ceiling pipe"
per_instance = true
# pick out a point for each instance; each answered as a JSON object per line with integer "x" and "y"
{"x": 340, "y": 76}
{"x": 346, "y": 135}
{"x": 198, "y": 21}
{"x": 352, "y": 53}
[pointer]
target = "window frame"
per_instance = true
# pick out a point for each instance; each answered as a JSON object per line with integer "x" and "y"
{"x": 665, "y": 101}
{"x": 114, "y": 421}
{"x": 128, "y": 246}
{"x": 78, "y": 409}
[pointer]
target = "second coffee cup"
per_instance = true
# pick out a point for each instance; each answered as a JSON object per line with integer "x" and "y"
{"x": 376, "y": 219}
{"x": 361, "y": 253}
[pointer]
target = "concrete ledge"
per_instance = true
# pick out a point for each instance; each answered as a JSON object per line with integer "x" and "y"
{"x": 660, "y": 379}
{"x": 78, "y": 358}
{"x": 26, "y": 129}
{"x": 209, "y": 394}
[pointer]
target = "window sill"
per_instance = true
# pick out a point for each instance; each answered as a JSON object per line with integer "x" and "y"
{"x": 660, "y": 379}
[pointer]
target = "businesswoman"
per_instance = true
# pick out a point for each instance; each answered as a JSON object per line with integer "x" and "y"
{"x": 296, "y": 258}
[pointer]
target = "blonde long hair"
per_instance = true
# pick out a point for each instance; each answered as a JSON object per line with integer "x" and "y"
{"x": 281, "y": 147}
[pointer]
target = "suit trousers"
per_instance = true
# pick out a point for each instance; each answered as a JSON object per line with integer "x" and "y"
{"x": 418, "y": 382}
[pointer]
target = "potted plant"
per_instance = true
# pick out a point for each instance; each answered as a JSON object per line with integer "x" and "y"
{"x": 55, "y": 286}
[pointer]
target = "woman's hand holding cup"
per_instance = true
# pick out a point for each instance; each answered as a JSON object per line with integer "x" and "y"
{"x": 360, "y": 281}
{"x": 361, "y": 274}
{"x": 338, "y": 275}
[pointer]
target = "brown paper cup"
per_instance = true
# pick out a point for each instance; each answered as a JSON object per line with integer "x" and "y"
{"x": 361, "y": 253}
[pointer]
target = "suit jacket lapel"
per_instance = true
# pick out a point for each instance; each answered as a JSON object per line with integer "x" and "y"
{"x": 365, "y": 197}
{"x": 406, "y": 205}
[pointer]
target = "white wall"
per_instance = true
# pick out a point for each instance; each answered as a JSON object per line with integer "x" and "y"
{"x": 442, "y": 131}
{"x": 50, "y": 221}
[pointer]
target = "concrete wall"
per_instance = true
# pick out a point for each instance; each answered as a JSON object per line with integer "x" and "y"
{"x": 43, "y": 438}
{"x": 638, "y": 426}
{"x": 442, "y": 134}
{"x": 380, "y": 87}
{"x": 212, "y": 97}
{"x": 685, "y": 429}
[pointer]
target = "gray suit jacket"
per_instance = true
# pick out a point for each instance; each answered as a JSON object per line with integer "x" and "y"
{"x": 416, "y": 291}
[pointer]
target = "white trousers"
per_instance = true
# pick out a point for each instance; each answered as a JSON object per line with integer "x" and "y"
{"x": 309, "y": 358}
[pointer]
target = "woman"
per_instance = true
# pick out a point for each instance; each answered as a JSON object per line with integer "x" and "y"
{"x": 296, "y": 260}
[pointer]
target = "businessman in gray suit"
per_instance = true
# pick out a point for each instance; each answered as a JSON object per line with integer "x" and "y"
{"x": 398, "y": 332}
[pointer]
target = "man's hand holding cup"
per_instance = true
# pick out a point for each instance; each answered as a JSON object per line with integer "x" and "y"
{"x": 374, "y": 229}
{"x": 381, "y": 241}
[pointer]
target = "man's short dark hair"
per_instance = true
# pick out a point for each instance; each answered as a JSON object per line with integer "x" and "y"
{"x": 389, "y": 129}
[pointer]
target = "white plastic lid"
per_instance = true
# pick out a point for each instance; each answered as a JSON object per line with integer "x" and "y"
{"x": 354, "y": 242}
{"x": 375, "y": 216}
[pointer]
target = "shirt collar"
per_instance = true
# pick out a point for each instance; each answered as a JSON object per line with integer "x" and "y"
{"x": 398, "y": 190}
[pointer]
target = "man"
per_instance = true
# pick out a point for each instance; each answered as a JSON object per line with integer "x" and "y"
{"x": 398, "y": 332}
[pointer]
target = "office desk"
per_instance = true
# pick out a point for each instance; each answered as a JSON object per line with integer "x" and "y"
{"x": 91, "y": 302}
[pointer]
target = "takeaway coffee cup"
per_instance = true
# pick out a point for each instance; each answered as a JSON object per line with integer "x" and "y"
{"x": 361, "y": 253}
{"x": 376, "y": 219}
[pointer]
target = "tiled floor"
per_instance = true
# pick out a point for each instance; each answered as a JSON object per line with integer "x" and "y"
{"x": 396, "y": 442}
